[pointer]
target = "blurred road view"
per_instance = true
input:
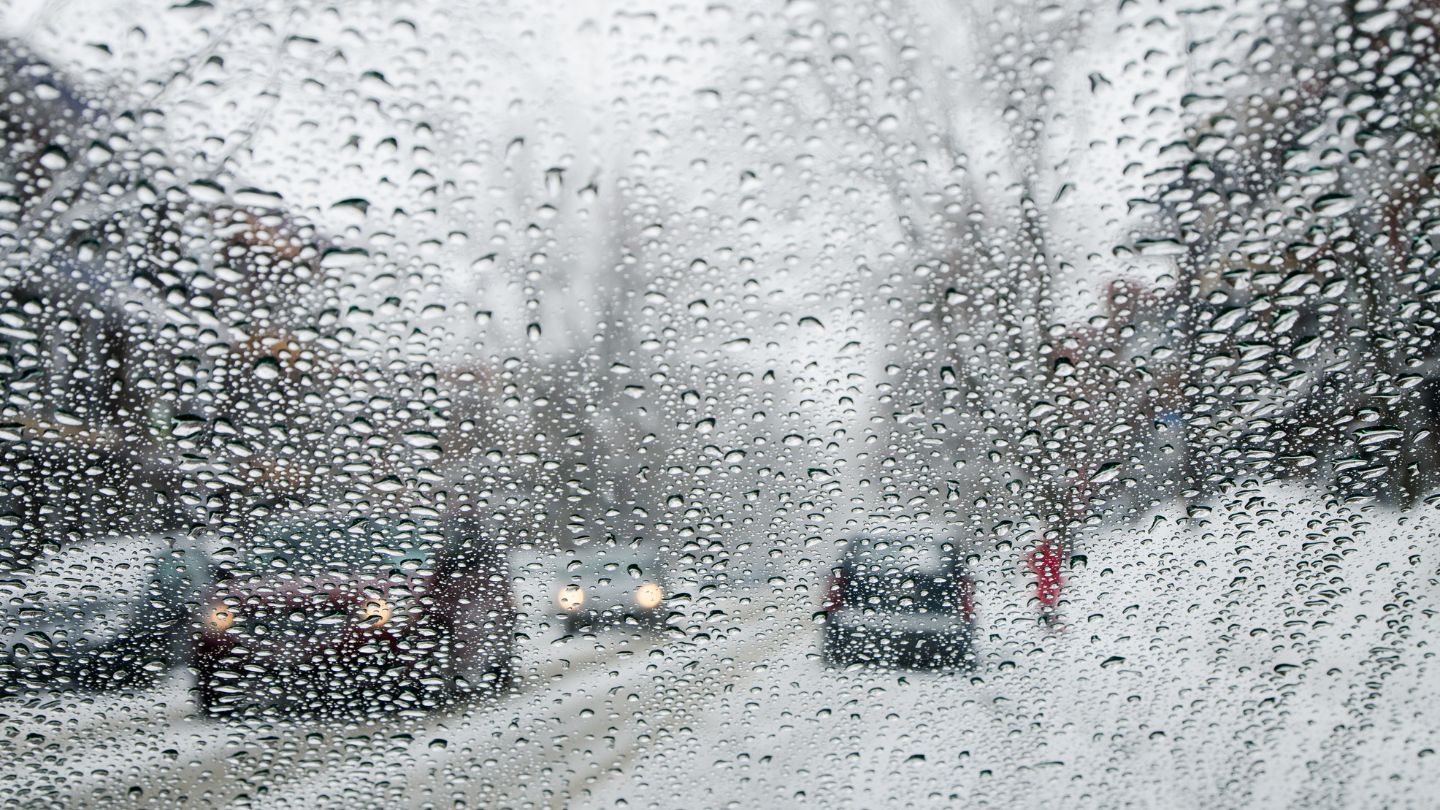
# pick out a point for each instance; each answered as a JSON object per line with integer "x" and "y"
{"x": 712, "y": 354}
{"x": 1207, "y": 651}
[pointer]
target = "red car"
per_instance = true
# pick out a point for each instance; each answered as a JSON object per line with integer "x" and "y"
{"x": 377, "y": 612}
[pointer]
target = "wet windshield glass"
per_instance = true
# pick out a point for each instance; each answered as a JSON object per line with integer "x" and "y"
{"x": 912, "y": 575}
{"x": 720, "y": 404}
{"x": 300, "y": 548}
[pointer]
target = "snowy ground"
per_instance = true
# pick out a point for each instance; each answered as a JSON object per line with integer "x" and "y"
{"x": 1268, "y": 653}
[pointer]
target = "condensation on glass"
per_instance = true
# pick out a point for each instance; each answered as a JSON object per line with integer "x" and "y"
{"x": 720, "y": 405}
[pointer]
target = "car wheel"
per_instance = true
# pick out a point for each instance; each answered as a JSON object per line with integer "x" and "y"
{"x": 207, "y": 699}
{"x": 503, "y": 681}
{"x": 447, "y": 666}
{"x": 832, "y": 650}
{"x": 498, "y": 679}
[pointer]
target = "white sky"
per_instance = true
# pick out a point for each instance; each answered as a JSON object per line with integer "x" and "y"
{"x": 390, "y": 102}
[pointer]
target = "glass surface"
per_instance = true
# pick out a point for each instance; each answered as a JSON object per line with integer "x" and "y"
{"x": 298, "y": 549}
{"x": 897, "y": 403}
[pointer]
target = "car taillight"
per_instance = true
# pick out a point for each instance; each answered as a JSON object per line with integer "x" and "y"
{"x": 967, "y": 597}
{"x": 834, "y": 593}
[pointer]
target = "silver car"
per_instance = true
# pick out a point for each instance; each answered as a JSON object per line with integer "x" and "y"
{"x": 615, "y": 585}
{"x": 105, "y": 613}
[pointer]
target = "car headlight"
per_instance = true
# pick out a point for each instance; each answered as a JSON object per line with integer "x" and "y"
{"x": 375, "y": 612}
{"x": 571, "y": 597}
{"x": 649, "y": 595}
{"x": 220, "y": 618}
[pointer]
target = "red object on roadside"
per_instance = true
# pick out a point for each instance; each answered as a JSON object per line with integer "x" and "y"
{"x": 834, "y": 593}
{"x": 967, "y": 597}
{"x": 1045, "y": 563}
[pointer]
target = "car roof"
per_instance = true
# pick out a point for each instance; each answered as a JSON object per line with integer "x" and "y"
{"x": 595, "y": 557}
{"x": 906, "y": 551}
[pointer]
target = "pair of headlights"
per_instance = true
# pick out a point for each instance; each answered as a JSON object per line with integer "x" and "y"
{"x": 372, "y": 613}
{"x": 572, "y": 597}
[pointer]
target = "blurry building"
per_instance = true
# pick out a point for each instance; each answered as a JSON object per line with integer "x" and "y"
{"x": 132, "y": 315}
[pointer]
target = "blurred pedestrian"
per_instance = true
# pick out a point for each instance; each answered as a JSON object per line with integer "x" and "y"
{"x": 1045, "y": 561}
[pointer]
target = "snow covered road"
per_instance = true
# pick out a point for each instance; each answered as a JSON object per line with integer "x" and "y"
{"x": 1239, "y": 656}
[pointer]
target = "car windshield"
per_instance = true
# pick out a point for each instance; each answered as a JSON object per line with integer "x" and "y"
{"x": 910, "y": 575}
{"x": 620, "y": 404}
{"x": 312, "y": 547}
{"x": 615, "y": 563}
